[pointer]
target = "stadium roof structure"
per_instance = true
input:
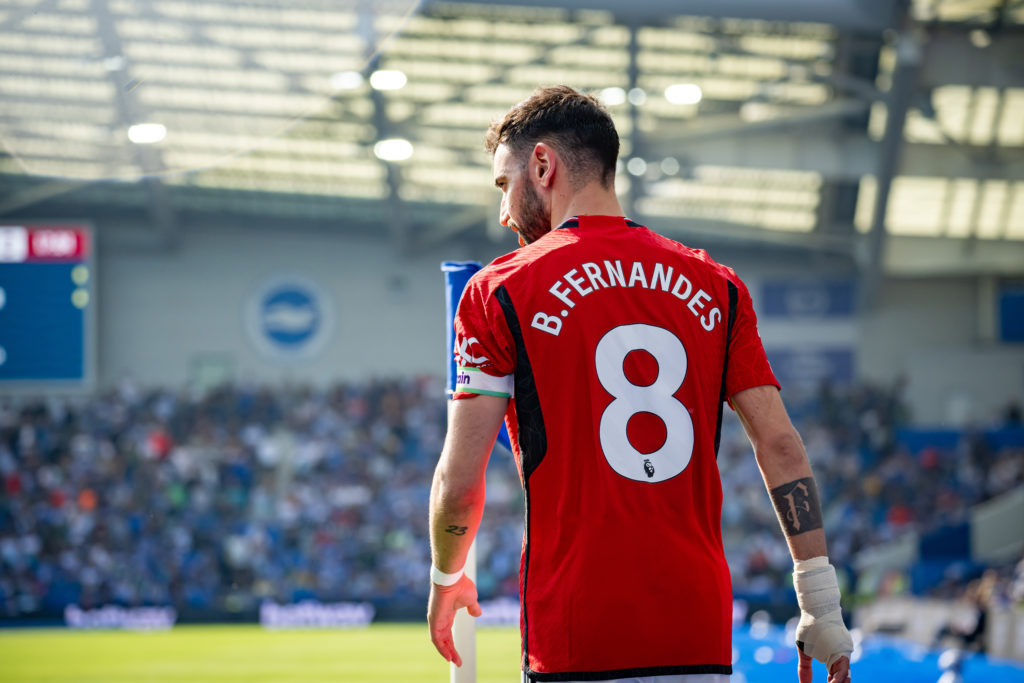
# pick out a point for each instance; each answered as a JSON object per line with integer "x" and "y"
{"x": 835, "y": 125}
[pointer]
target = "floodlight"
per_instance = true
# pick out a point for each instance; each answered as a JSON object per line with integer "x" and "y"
{"x": 147, "y": 133}
{"x": 636, "y": 166}
{"x": 683, "y": 93}
{"x": 613, "y": 96}
{"x": 346, "y": 80}
{"x": 669, "y": 166}
{"x": 754, "y": 111}
{"x": 388, "y": 79}
{"x": 980, "y": 38}
{"x": 393, "y": 149}
{"x": 637, "y": 97}
{"x": 113, "y": 63}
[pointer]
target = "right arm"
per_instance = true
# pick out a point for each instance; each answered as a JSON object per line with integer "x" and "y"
{"x": 787, "y": 475}
{"x": 785, "y": 469}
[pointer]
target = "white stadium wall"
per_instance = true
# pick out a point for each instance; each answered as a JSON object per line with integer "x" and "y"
{"x": 936, "y": 332}
{"x": 170, "y": 317}
{"x": 177, "y": 316}
{"x": 933, "y": 331}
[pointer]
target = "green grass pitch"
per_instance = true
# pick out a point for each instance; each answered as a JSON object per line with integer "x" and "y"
{"x": 216, "y": 654}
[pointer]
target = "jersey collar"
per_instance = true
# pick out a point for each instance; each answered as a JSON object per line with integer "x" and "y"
{"x": 596, "y": 221}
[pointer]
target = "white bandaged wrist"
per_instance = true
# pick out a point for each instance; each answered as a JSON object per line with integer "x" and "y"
{"x": 812, "y": 563}
{"x": 821, "y": 632}
{"x": 443, "y": 579}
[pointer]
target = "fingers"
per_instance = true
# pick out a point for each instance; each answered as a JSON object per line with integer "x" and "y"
{"x": 441, "y": 609}
{"x": 804, "y": 669}
{"x": 441, "y": 637}
{"x": 840, "y": 672}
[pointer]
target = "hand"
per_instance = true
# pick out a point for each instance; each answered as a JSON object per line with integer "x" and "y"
{"x": 839, "y": 673}
{"x": 444, "y": 602}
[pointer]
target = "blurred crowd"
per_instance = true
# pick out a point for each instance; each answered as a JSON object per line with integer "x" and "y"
{"x": 214, "y": 503}
{"x": 874, "y": 488}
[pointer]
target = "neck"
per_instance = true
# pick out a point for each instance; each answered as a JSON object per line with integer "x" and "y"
{"x": 592, "y": 200}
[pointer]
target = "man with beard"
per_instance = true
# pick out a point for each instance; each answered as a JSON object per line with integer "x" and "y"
{"x": 609, "y": 351}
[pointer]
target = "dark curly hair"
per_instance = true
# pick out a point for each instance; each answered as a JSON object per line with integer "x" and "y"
{"x": 575, "y": 124}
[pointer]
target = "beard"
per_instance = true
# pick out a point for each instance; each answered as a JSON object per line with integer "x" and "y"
{"x": 535, "y": 220}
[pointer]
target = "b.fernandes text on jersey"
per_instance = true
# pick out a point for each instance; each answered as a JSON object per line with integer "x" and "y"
{"x": 609, "y": 274}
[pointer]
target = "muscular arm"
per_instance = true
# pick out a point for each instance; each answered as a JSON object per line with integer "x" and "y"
{"x": 457, "y": 492}
{"x": 456, "y": 505}
{"x": 787, "y": 473}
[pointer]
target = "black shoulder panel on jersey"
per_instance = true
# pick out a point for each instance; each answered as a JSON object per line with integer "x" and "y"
{"x": 533, "y": 440}
{"x": 733, "y": 298}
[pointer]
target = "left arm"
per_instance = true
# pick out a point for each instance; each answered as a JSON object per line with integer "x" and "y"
{"x": 456, "y": 506}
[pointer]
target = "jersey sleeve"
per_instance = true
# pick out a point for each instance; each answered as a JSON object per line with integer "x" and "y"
{"x": 484, "y": 350}
{"x": 748, "y": 364}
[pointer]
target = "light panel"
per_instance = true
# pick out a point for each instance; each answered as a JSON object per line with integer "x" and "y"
{"x": 1015, "y": 213}
{"x": 205, "y": 12}
{"x": 64, "y": 24}
{"x": 49, "y": 44}
{"x": 960, "y": 198}
{"x": 57, "y": 88}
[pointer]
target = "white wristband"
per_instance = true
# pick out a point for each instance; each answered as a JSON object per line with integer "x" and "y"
{"x": 442, "y": 579}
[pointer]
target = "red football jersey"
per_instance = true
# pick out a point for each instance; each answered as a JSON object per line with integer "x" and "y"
{"x": 619, "y": 347}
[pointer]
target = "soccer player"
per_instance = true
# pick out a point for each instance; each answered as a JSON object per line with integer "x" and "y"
{"x": 609, "y": 351}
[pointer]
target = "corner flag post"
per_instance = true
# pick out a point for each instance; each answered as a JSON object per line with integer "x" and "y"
{"x": 456, "y": 275}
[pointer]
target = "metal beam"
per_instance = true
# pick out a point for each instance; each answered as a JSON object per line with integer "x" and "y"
{"x": 459, "y": 222}
{"x": 396, "y": 210}
{"x": 707, "y": 231}
{"x": 943, "y": 256}
{"x": 147, "y": 159}
{"x": 728, "y": 125}
{"x": 853, "y": 15}
{"x": 908, "y": 62}
{"x": 950, "y": 58}
{"x": 800, "y": 144}
{"x": 636, "y": 137}
{"x": 19, "y": 200}
{"x": 856, "y": 60}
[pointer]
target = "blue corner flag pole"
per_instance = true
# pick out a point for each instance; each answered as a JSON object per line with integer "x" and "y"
{"x": 456, "y": 275}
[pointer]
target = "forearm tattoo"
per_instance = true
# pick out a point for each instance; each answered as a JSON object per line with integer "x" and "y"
{"x": 797, "y": 506}
{"x": 457, "y": 530}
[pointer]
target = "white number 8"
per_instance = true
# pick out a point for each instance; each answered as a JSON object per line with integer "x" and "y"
{"x": 657, "y": 398}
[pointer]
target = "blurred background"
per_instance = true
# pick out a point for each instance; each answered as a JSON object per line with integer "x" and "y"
{"x": 222, "y": 318}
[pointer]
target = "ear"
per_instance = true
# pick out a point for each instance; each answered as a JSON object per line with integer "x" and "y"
{"x": 544, "y": 162}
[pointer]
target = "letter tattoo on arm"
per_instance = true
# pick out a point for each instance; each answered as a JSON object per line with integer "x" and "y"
{"x": 797, "y": 506}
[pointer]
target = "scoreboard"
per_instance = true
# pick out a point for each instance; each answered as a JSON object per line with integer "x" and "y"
{"x": 46, "y": 306}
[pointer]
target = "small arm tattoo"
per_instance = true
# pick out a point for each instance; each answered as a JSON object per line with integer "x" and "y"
{"x": 457, "y": 530}
{"x": 797, "y": 506}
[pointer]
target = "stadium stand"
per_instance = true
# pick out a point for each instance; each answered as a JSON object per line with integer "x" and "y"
{"x": 215, "y": 503}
